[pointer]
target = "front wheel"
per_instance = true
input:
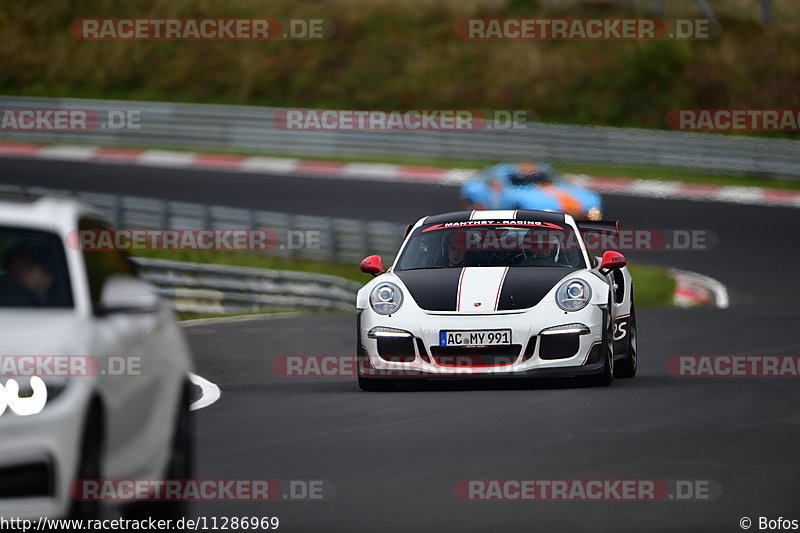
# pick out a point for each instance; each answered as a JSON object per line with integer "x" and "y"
{"x": 89, "y": 464}
{"x": 180, "y": 467}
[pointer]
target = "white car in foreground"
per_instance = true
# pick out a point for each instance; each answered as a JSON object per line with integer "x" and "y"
{"x": 496, "y": 294}
{"x": 95, "y": 370}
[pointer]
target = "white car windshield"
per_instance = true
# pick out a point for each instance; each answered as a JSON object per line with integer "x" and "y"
{"x": 527, "y": 244}
{"x": 33, "y": 269}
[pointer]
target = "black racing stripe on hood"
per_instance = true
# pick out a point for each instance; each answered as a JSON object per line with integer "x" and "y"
{"x": 525, "y": 287}
{"x": 432, "y": 289}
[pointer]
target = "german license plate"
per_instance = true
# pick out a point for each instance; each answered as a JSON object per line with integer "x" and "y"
{"x": 478, "y": 337}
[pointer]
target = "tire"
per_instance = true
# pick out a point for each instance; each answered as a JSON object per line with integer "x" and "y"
{"x": 180, "y": 466}
{"x": 89, "y": 463}
{"x": 377, "y": 385}
{"x": 605, "y": 378}
{"x": 626, "y": 368}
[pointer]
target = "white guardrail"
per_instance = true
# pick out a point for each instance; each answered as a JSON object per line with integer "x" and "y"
{"x": 201, "y": 126}
{"x": 338, "y": 240}
{"x": 218, "y": 289}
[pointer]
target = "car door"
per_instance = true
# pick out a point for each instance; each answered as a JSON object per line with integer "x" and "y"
{"x": 133, "y": 384}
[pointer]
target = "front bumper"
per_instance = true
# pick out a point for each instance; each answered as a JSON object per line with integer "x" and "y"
{"x": 525, "y": 329}
{"x": 49, "y": 439}
{"x": 541, "y": 373}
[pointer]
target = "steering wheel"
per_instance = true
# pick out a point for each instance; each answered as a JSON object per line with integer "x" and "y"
{"x": 543, "y": 260}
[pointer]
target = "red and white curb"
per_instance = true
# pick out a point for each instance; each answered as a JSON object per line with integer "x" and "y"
{"x": 693, "y": 289}
{"x": 690, "y": 191}
{"x": 387, "y": 172}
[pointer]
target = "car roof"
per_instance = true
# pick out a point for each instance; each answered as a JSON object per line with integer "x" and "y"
{"x": 42, "y": 212}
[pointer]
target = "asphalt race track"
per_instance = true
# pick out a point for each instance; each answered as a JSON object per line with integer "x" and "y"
{"x": 395, "y": 458}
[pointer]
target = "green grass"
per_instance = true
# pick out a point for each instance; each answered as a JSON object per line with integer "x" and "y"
{"x": 654, "y": 286}
{"x": 405, "y": 54}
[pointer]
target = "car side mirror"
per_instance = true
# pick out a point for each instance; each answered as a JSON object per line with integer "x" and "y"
{"x": 121, "y": 294}
{"x": 612, "y": 260}
{"x": 372, "y": 265}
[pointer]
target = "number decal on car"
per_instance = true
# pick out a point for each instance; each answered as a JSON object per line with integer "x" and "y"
{"x": 620, "y": 330}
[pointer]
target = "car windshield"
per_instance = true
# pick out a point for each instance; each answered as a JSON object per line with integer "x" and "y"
{"x": 535, "y": 178}
{"x": 478, "y": 244}
{"x": 33, "y": 269}
{"x": 533, "y": 174}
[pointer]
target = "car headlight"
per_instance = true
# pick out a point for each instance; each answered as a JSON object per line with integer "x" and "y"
{"x": 386, "y": 298}
{"x": 566, "y": 329}
{"x": 573, "y": 295}
{"x": 382, "y": 332}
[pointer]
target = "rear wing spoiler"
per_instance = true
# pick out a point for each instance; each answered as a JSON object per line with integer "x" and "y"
{"x": 598, "y": 226}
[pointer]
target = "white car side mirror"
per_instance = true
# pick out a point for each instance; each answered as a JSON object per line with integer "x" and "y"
{"x": 128, "y": 294}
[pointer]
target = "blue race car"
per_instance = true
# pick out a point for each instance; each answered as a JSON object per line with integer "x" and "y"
{"x": 534, "y": 186}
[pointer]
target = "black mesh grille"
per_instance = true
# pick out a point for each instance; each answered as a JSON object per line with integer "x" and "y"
{"x": 559, "y": 346}
{"x": 26, "y": 481}
{"x": 472, "y": 356}
{"x": 397, "y": 349}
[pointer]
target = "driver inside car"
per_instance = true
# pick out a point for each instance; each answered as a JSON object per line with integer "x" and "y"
{"x": 542, "y": 249}
{"x": 28, "y": 278}
{"x": 456, "y": 249}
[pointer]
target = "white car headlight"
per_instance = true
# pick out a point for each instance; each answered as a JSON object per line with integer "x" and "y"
{"x": 573, "y": 295}
{"x": 386, "y": 298}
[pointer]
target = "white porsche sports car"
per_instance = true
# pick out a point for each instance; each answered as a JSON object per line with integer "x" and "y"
{"x": 497, "y": 294}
